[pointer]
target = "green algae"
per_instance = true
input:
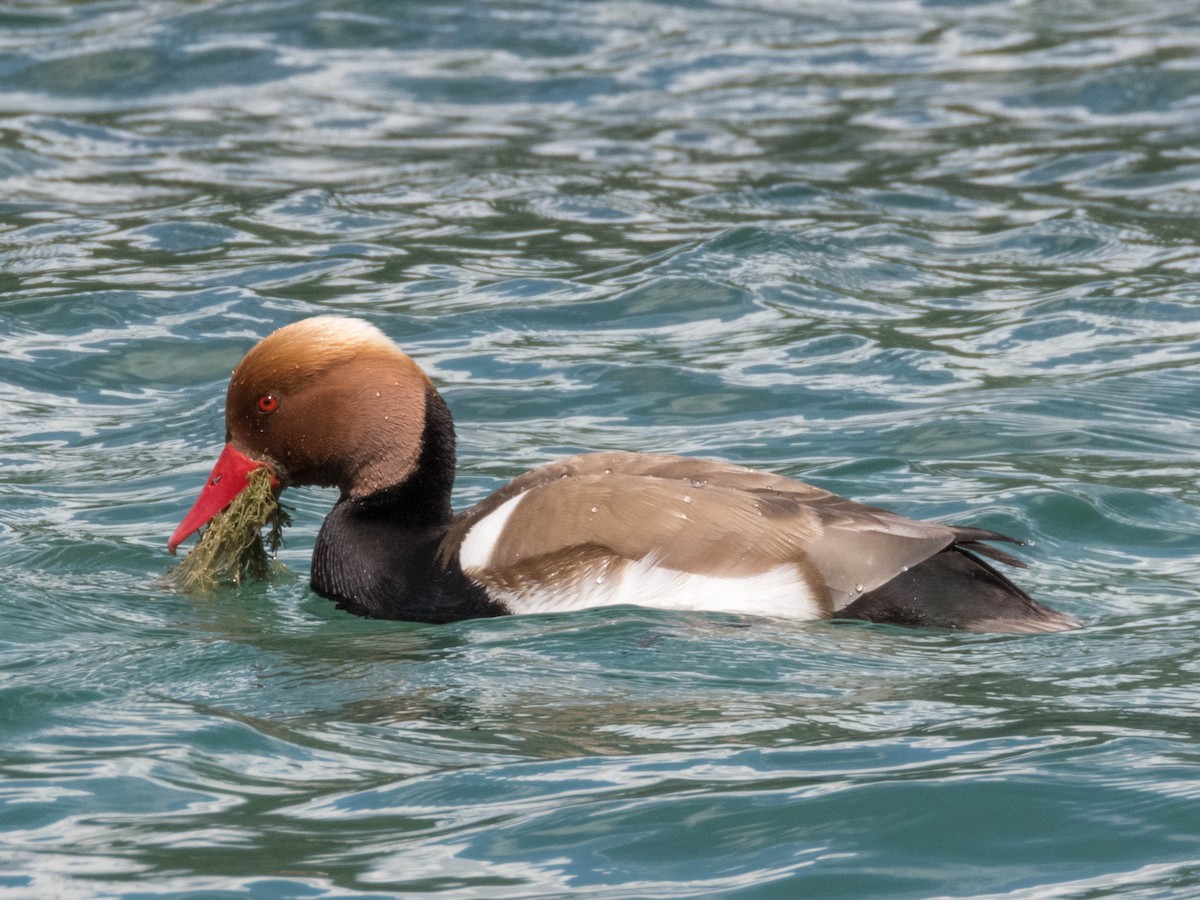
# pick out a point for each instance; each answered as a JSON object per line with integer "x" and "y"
{"x": 232, "y": 548}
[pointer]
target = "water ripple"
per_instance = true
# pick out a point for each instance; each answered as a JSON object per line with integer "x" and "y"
{"x": 937, "y": 256}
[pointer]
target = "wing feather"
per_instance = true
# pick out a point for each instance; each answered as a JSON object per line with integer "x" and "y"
{"x": 705, "y": 517}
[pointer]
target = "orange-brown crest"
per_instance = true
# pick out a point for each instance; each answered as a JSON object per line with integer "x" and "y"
{"x": 332, "y": 401}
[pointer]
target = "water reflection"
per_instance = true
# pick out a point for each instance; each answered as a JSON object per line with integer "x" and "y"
{"x": 936, "y": 256}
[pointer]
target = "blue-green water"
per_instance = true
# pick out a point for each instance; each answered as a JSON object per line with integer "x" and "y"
{"x": 940, "y": 256}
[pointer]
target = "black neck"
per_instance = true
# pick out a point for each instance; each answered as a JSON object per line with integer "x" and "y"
{"x": 378, "y": 555}
{"x": 422, "y": 500}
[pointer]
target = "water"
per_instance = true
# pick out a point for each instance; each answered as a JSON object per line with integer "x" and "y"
{"x": 938, "y": 256}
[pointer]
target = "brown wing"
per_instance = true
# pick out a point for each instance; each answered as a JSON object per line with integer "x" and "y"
{"x": 705, "y": 517}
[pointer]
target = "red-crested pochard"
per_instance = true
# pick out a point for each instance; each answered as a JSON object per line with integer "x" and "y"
{"x": 331, "y": 401}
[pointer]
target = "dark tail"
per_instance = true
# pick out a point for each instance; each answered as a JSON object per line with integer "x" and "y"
{"x": 957, "y": 589}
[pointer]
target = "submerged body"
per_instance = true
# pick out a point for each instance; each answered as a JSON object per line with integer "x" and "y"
{"x": 332, "y": 401}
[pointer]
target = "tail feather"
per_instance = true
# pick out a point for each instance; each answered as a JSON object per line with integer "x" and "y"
{"x": 981, "y": 549}
{"x": 965, "y": 534}
{"x": 956, "y": 589}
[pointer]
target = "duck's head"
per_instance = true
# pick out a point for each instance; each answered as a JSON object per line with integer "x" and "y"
{"x": 326, "y": 401}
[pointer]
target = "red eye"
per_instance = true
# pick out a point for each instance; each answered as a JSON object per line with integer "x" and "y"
{"x": 268, "y": 403}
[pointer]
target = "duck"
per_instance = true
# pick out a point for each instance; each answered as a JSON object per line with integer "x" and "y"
{"x": 332, "y": 401}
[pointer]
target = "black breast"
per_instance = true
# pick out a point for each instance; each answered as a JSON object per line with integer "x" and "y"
{"x": 376, "y": 564}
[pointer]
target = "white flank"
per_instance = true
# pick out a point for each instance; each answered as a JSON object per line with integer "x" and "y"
{"x": 780, "y": 591}
{"x": 475, "y": 552}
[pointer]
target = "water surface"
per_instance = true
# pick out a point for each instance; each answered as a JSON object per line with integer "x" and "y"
{"x": 937, "y": 256}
